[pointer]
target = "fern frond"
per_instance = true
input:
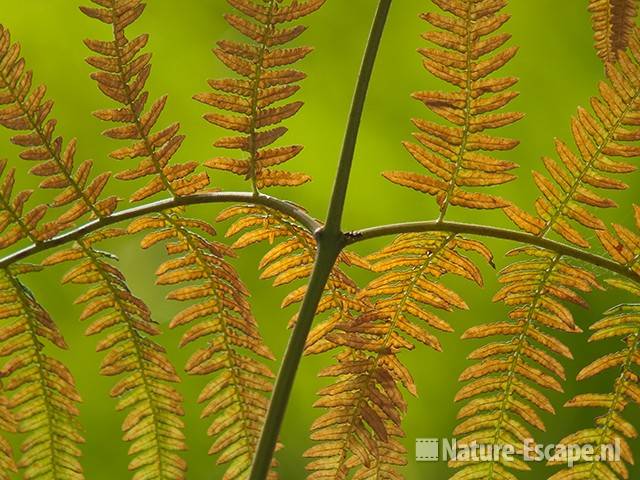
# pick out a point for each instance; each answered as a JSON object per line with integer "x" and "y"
{"x": 611, "y": 428}
{"x": 8, "y": 424}
{"x": 15, "y": 223}
{"x": 613, "y": 23}
{"x": 219, "y": 313}
{"x": 467, "y": 53}
{"x": 251, "y": 102}
{"x": 602, "y": 139}
{"x": 123, "y": 70}
{"x": 153, "y": 424}
{"x": 25, "y": 109}
{"x": 44, "y": 396}
{"x": 505, "y": 386}
{"x": 622, "y": 322}
{"x": 361, "y": 429}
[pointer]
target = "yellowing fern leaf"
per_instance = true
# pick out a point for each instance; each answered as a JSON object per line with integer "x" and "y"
{"x": 602, "y": 139}
{"x": 43, "y": 392}
{"x": 25, "y": 109}
{"x": 221, "y": 315}
{"x": 153, "y": 424}
{"x": 252, "y": 102}
{"x": 504, "y": 387}
{"x": 467, "y": 53}
{"x": 610, "y": 429}
{"x": 623, "y": 321}
{"x": 8, "y": 425}
{"x": 613, "y": 23}
{"x": 123, "y": 70}
{"x": 362, "y": 427}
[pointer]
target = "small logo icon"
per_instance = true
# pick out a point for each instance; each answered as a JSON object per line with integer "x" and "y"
{"x": 427, "y": 449}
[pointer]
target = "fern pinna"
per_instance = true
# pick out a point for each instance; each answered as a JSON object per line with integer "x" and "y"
{"x": 253, "y": 102}
{"x": 404, "y": 296}
{"x": 222, "y": 316}
{"x": 459, "y": 155}
{"x": 613, "y": 24}
{"x": 43, "y": 401}
{"x": 369, "y": 329}
{"x": 123, "y": 70}
{"x": 611, "y": 430}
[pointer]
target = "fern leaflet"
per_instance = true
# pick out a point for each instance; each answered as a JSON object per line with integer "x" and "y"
{"x": 410, "y": 269}
{"x": 8, "y": 424}
{"x": 467, "y": 54}
{"x": 153, "y": 424}
{"x": 613, "y": 23}
{"x": 252, "y": 102}
{"x": 44, "y": 396}
{"x": 602, "y": 140}
{"x": 222, "y": 316}
{"x": 504, "y": 386}
{"x": 623, "y": 322}
{"x": 122, "y": 76}
{"x": 23, "y": 108}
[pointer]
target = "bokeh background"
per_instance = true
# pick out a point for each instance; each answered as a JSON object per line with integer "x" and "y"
{"x": 558, "y": 69}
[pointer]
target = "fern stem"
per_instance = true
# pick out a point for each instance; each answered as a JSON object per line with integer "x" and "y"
{"x": 492, "y": 232}
{"x": 331, "y": 241}
{"x": 314, "y": 226}
{"x": 283, "y": 206}
{"x": 336, "y": 207}
{"x": 324, "y": 263}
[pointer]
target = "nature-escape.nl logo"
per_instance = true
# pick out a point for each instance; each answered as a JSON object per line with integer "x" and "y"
{"x": 434, "y": 449}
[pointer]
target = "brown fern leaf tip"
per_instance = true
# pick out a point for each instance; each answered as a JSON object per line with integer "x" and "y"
{"x": 123, "y": 70}
{"x": 603, "y": 138}
{"x": 256, "y": 102}
{"x": 362, "y": 426}
{"x": 505, "y": 386}
{"x": 24, "y": 109}
{"x": 613, "y": 23}
{"x": 460, "y": 154}
{"x": 220, "y": 314}
{"x": 17, "y": 224}
{"x": 43, "y": 396}
{"x": 153, "y": 424}
{"x": 623, "y": 322}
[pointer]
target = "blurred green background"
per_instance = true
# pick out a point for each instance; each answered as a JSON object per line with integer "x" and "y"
{"x": 558, "y": 69}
